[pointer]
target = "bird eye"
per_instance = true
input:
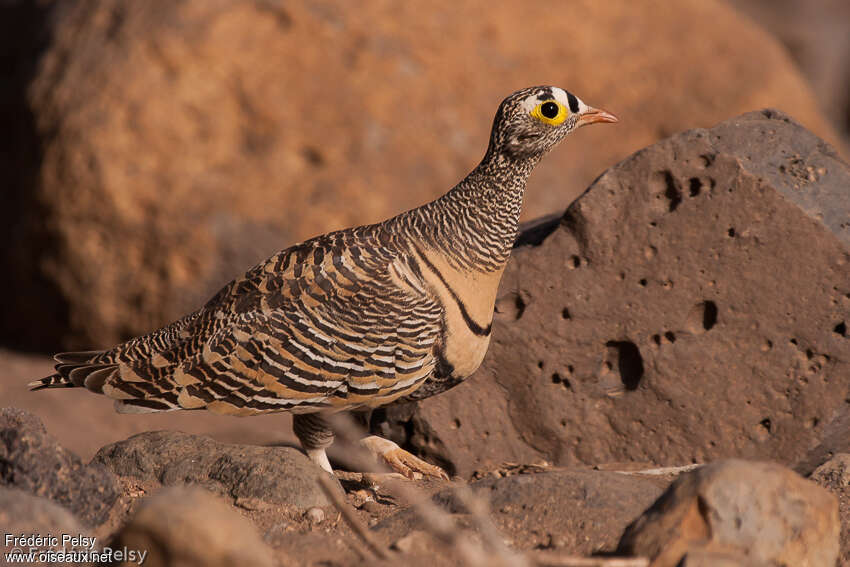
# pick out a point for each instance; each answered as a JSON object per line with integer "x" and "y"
{"x": 550, "y": 112}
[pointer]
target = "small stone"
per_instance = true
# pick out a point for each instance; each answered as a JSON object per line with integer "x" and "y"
{"x": 371, "y": 507}
{"x": 315, "y": 515}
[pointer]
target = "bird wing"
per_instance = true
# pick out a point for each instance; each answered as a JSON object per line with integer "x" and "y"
{"x": 341, "y": 321}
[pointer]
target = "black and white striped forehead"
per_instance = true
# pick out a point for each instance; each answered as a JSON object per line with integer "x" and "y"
{"x": 542, "y": 94}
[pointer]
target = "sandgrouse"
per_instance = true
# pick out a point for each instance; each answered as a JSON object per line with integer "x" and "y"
{"x": 355, "y": 319}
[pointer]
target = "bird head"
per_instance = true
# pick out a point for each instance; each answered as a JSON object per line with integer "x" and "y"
{"x": 532, "y": 121}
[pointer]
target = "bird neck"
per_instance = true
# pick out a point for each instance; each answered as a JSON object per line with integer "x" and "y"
{"x": 475, "y": 224}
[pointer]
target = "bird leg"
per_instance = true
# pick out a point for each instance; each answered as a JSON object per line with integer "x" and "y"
{"x": 315, "y": 434}
{"x": 400, "y": 460}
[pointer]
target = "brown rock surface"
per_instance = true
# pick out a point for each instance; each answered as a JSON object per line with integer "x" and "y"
{"x": 817, "y": 35}
{"x": 32, "y": 460}
{"x": 834, "y": 475}
{"x": 704, "y": 558}
{"x": 22, "y": 514}
{"x": 693, "y": 304}
{"x": 760, "y": 510}
{"x": 569, "y": 511}
{"x": 177, "y": 143}
{"x": 189, "y": 527}
{"x": 254, "y": 477}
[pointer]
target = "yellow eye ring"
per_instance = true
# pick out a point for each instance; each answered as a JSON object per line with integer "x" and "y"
{"x": 550, "y": 112}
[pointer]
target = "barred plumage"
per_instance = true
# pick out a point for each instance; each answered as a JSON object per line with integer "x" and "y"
{"x": 358, "y": 318}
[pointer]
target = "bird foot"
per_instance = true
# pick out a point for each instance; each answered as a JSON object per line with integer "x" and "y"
{"x": 401, "y": 461}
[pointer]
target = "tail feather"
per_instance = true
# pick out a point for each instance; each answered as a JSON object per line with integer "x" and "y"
{"x": 77, "y": 357}
{"x": 52, "y": 381}
{"x": 72, "y": 369}
{"x": 95, "y": 379}
{"x": 100, "y": 374}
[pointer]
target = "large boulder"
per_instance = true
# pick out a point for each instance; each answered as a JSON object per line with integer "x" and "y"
{"x": 252, "y": 477}
{"x": 693, "y": 304}
{"x": 165, "y": 147}
{"x": 815, "y": 34}
{"x": 33, "y": 461}
{"x": 762, "y": 513}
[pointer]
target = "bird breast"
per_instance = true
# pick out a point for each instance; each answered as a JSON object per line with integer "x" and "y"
{"x": 468, "y": 298}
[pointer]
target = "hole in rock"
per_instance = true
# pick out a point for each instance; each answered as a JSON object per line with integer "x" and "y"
{"x": 672, "y": 192}
{"x": 558, "y": 379}
{"x": 766, "y": 423}
{"x": 695, "y": 186}
{"x": 840, "y": 329}
{"x": 702, "y": 317}
{"x": 565, "y": 314}
{"x": 629, "y": 362}
{"x": 670, "y": 336}
{"x": 511, "y": 306}
{"x": 731, "y": 232}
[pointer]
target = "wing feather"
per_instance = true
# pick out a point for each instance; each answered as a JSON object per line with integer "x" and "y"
{"x": 339, "y": 321}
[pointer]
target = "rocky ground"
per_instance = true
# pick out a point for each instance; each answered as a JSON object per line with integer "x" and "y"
{"x": 665, "y": 324}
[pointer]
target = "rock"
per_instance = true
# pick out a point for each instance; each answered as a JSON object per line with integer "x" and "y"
{"x": 574, "y": 511}
{"x": 815, "y": 35}
{"x": 650, "y": 325}
{"x": 32, "y": 461}
{"x": 188, "y": 526}
{"x": 417, "y": 541}
{"x": 834, "y": 475}
{"x": 128, "y": 210}
{"x": 760, "y": 510}
{"x": 703, "y": 558}
{"x": 23, "y": 514}
{"x": 315, "y": 515}
{"x": 254, "y": 477}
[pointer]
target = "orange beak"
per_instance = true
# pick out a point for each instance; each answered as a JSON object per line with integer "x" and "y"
{"x": 594, "y": 115}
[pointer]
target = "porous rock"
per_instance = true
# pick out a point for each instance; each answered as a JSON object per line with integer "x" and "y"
{"x": 162, "y": 148}
{"x": 572, "y": 511}
{"x": 692, "y": 304}
{"x": 31, "y": 460}
{"x": 190, "y": 527}
{"x": 251, "y": 476}
{"x": 762, "y": 511}
{"x": 834, "y": 475}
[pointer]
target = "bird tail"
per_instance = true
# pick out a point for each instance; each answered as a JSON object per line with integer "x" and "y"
{"x": 74, "y": 369}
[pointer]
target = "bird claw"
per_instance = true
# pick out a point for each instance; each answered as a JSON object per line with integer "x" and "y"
{"x": 401, "y": 461}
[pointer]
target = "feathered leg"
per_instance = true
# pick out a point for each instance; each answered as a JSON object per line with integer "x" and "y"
{"x": 315, "y": 434}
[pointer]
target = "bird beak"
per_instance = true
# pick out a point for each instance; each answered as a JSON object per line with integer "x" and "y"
{"x": 594, "y": 115}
